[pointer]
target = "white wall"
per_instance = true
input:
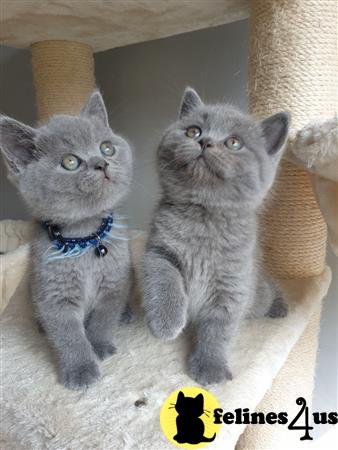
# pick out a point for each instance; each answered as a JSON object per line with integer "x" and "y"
{"x": 16, "y": 100}
{"x": 142, "y": 85}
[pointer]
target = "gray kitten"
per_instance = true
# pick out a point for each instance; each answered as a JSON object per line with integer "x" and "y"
{"x": 216, "y": 166}
{"x": 72, "y": 172}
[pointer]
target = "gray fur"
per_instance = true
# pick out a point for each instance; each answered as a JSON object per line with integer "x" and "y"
{"x": 200, "y": 266}
{"x": 78, "y": 301}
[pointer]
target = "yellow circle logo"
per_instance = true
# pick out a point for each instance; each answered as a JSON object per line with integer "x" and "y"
{"x": 187, "y": 417}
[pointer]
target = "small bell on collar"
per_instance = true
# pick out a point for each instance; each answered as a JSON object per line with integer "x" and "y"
{"x": 101, "y": 251}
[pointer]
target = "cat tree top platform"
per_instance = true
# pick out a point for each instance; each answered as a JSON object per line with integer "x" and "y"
{"x": 107, "y": 24}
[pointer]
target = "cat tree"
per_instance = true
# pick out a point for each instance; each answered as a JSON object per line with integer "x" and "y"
{"x": 293, "y": 66}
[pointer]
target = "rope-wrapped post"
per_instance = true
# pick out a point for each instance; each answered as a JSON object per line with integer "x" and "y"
{"x": 293, "y": 67}
{"x": 63, "y": 74}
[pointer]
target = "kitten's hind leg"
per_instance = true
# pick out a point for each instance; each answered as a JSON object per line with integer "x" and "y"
{"x": 100, "y": 325}
{"x": 40, "y": 327}
{"x": 279, "y": 308}
{"x": 106, "y": 315}
{"x": 164, "y": 296}
{"x": 268, "y": 300}
{"x": 127, "y": 315}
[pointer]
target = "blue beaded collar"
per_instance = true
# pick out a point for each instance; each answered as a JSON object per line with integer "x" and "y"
{"x": 71, "y": 247}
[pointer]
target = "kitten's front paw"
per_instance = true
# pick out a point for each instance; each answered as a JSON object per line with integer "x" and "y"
{"x": 165, "y": 325}
{"x": 103, "y": 350}
{"x": 279, "y": 308}
{"x": 207, "y": 370}
{"x": 81, "y": 376}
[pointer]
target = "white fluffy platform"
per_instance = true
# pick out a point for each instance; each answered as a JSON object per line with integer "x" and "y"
{"x": 38, "y": 413}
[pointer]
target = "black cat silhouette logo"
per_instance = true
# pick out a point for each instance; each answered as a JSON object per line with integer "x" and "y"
{"x": 190, "y": 428}
{"x": 187, "y": 417}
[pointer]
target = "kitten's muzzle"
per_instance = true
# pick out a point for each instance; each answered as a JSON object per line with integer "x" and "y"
{"x": 206, "y": 143}
{"x": 102, "y": 165}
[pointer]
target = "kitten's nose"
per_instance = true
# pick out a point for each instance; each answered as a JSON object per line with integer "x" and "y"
{"x": 100, "y": 164}
{"x": 206, "y": 143}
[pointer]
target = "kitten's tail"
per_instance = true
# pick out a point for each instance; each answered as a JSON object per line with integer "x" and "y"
{"x": 205, "y": 439}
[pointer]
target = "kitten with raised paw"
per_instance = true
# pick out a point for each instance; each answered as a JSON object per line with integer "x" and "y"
{"x": 216, "y": 166}
{"x": 73, "y": 173}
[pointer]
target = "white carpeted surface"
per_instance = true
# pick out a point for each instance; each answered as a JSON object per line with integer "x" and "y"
{"x": 38, "y": 413}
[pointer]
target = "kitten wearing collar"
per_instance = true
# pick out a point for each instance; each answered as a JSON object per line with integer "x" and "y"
{"x": 73, "y": 173}
{"x": 216, "y": 166}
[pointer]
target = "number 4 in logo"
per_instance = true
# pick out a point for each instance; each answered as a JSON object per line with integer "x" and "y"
{"x": 304, "y": 409}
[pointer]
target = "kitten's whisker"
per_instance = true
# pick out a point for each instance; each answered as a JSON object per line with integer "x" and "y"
{"x": 60, "y": 254}
{"x": 71, "y": 253}
{"x": 120, "y": 226}
{"x": 53, "y": 254}
{"x": 119, "y": 238}
{"x": 111, "y": 236}
{"x": 121, "y": 217}
{"x": 49, "y": 248}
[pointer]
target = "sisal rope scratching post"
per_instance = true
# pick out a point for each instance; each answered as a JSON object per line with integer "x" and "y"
{"x": 293, "y": 66}
{"x": 63, "y": 74}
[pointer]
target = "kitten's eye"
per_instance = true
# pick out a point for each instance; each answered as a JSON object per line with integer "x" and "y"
{"x": 193, "y": 132}
{"x": 234, "y": 143}
{"x": 70, "y": 162}
{"x": 107, "y": 148}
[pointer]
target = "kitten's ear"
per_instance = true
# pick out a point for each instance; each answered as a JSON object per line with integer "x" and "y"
{"x": 95, "y": 108}
{"x": 275, "y": 131}
{"x": 180, "y": 397}
{"x": 17, "y": 144}
{"x": 200, "y": 399}
{"x": 190, "y": 101}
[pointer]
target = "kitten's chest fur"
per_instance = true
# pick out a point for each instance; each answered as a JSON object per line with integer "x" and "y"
{"x": 210, "y": 243}
{"x": 215, "y": 248}
{"x": 94, "y": 277}
{"x": 225, "y": 252}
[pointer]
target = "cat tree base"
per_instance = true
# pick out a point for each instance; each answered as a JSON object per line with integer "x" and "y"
{"x": 39, "y": 413}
